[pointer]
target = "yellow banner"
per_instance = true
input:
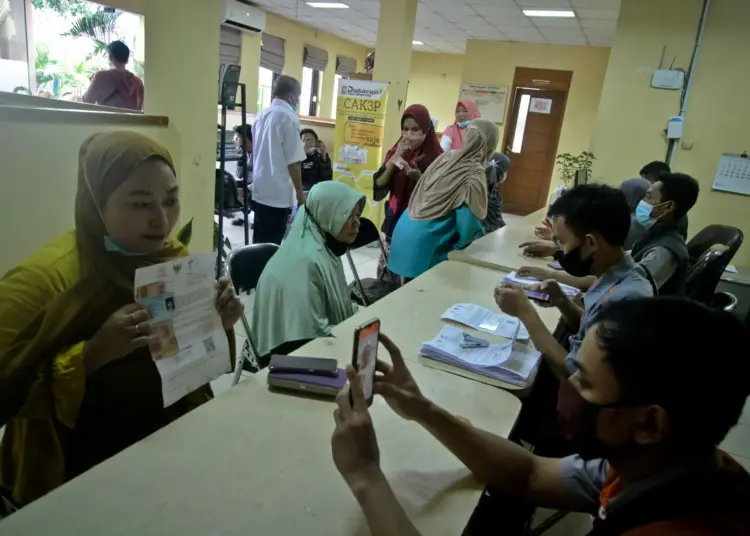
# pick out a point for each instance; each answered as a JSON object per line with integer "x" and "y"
{"x": 358, "y": 145}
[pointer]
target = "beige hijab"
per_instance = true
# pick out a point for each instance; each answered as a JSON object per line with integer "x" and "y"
{"x": 457, "y": 177}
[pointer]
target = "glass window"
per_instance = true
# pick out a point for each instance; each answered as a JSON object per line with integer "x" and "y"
{"x": 336, "y": 81}
{"x": 523, "y": 113}
{"x": 67, "y": 44}
{"x": 265, "y": 87}
{"x": 15, "y": 73}
{"x": 310, "y": 99}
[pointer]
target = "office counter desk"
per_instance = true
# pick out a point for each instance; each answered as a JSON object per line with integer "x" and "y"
{"x": 256, "y": 462}
{"x": 499, "y": 250}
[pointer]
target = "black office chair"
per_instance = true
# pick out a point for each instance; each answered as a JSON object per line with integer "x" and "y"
{"x": 711, "y": 250}
{"x": 370, "y": 290}
{"x": 244, "y": 267}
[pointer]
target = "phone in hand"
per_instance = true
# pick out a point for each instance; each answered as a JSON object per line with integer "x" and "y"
{"x": 538, "y": 296}
{"x": 365, "y": 355}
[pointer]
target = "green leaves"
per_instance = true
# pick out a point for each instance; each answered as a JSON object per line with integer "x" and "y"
{"x": 185, "y": 235}
{"x": 99, "y": 26}
{"x": 569, "y": 164}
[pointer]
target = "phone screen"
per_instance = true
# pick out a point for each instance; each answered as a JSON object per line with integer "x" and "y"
{"x": 367, "y": 354}
{"x": 538, "y": 296}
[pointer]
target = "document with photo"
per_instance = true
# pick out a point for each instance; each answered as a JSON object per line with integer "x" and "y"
{"x": 190, "y": 348}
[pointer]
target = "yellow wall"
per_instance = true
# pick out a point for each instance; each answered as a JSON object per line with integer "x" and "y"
{"x": 297, "y": 36}
{"x": 717, "y": 113}
{"x": 38, "y": 187}
{"x": 435, "y": 82}
{"x": 493, "y": 62}
{"x": 182, "y": 65}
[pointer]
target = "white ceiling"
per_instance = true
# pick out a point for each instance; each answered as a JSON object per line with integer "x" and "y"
{"x": 445, "y": 25}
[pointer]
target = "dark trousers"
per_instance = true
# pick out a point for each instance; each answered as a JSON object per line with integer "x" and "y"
{"x": 269, "y": 224}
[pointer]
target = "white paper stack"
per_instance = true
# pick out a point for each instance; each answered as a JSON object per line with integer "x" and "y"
{"x": 510, "y": 362}
{"x": 513, "y": 277}
{"x": 487, "y": 321}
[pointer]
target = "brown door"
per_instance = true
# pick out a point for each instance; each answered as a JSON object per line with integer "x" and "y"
{"x": 531, "y": 143}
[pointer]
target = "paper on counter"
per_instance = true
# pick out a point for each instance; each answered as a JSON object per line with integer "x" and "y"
{"x": 448, "y": 344}
{"x": 510, "y": 362}
{"x": 192, "y": 348}
{"x": 487, "y": 321}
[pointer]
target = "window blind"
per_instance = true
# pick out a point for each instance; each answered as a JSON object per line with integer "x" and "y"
{"x": 272, "y": 53}
{"x": 315, "y": 58}
{"x": 345, "y": 66}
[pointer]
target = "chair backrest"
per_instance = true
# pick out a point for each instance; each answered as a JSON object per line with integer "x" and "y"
{"x": 731, "y": 237}
{"x": 246, "y": 264}
{"x": 368, "y": 233}
{"x": 704, "y": 275}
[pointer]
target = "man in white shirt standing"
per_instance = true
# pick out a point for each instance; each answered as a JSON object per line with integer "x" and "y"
{"x": 278, "y": 154}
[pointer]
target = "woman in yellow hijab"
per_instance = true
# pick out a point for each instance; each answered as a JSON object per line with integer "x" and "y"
{"x": 77, "y": 381}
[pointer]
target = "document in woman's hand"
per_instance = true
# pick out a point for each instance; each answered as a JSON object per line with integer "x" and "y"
{"x": 190, "y": 348}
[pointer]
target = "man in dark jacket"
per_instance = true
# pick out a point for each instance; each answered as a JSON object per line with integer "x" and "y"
{"x": 662, "y": 249}
{"x": 317, "y": 167}
{"x": 116, "y": 87}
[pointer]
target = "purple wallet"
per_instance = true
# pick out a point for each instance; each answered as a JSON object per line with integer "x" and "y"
{"x": 335, "y": 383}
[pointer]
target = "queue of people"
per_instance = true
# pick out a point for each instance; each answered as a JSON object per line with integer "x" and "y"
{"x": 78, "y": 385}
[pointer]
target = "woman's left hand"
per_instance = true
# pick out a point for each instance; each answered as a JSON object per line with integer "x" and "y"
{"x": 228, "y": 303}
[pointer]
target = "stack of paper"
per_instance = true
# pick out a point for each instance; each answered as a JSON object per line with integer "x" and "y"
{"x": 513, "y": 277}
{"x": 509, "y": 362}
{"x": 485, "y": 320}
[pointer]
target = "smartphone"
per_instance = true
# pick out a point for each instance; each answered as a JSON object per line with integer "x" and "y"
{"x": 537, "y": 295}
{"x": 365, "y": 354}
{"x": 290, "y": 364}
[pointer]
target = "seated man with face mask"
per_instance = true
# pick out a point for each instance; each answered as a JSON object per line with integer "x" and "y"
{"x": 590, "y": 224}
{"x": 662, "y": 250}
{"x": 647, "y": 462}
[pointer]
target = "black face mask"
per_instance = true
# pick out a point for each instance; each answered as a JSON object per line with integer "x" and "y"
{"x": 577, "y": 417}
{"x": 334, "y": 245}
{"x": 575, "y": 265}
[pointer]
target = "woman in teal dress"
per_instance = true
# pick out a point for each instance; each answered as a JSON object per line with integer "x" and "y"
{"x": 447, "y": 206}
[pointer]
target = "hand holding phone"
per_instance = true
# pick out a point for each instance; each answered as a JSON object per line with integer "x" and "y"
{"x": 365, "y": 355}
{"x": 537, "y": 296}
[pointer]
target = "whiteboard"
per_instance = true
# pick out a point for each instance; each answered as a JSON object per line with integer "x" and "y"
{"x": 733, "y": 174}
{"x": 491, "y": 100}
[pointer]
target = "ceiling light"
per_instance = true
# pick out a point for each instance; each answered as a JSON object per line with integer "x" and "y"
{"x": 548, "y": 13}
{"x": 417, "y": 43}
{"x": 328, "y": 5}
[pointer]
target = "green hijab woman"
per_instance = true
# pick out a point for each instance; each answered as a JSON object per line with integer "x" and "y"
{"x": 302, "y": 292}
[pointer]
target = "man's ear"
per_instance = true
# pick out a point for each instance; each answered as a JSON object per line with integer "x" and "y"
{"x": 653, "y": 426}
{"x": 592, "y": 242}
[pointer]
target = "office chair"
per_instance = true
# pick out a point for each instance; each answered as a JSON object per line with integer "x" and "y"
{"x": 711, "y": 250}
{"x": 370, "y": 290}
{"x": 244, "y": 267}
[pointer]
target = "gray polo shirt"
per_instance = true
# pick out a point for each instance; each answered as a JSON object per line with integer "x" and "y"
{"x": 626, "y": 279}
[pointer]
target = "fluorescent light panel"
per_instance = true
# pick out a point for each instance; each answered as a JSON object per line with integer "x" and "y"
{"x": 417, "y": 43}
{"x": 548, "y": 13}
{"x": 328, "y": 5}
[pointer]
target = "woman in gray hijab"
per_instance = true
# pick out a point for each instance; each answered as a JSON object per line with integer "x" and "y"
{"x": 496, "y": 172}
{"x": 634, "y": 190}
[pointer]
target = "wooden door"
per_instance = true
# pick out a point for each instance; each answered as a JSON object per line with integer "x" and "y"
{"x": 531, "y": 143}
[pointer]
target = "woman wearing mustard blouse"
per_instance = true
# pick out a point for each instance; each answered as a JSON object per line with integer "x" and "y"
{"x": 77, "y": 381}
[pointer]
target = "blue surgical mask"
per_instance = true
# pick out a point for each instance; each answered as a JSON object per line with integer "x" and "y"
{"x": 113, "y": 245}
{"x": 463, "y": 124}
{"x": 643, "y": 215}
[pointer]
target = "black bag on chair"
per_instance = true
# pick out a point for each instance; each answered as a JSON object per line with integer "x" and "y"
{"x": 367, "y": 291}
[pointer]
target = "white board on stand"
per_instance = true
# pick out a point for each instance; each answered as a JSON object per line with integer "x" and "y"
{"x": 491, "y": 100}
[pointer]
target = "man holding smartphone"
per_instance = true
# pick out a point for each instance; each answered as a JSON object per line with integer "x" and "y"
{"x": 648, "y": 461}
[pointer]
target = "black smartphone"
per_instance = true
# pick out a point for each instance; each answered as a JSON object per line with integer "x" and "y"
{"x": 538, "y": 296}
{"x": 290, "y": 364}
{"x": 365, "y": 354}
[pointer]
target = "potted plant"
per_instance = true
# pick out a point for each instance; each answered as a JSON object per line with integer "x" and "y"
{"x": 570, "y": 166}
